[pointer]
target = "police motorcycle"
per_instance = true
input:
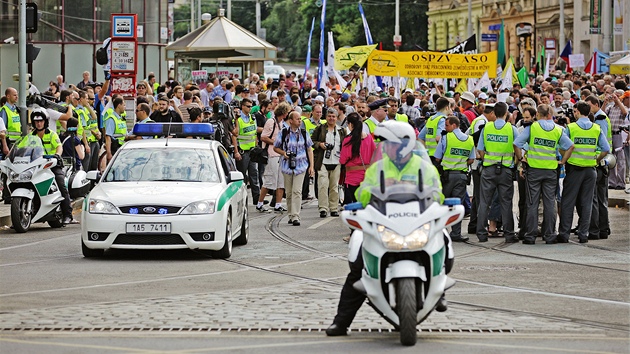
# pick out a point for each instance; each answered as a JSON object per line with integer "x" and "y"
{"x": 35, "y": 196}
{"x": 401, "y": 236}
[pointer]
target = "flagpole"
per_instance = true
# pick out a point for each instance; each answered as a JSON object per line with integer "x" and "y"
{"x": 561, "y": 36}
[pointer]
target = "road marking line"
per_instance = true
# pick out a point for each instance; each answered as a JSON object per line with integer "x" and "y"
{"x": 122, "y": 349}
{"x": 574, "y": 297}
{"x": 543, "y": 349}
{"x": 324, "y": 341}
{"x": 323, "y": 222}
{"x": 38, "y": 242}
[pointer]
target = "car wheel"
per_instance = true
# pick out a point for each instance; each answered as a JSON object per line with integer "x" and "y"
{"x": 226, "y": 251}
{"x": 91, "y": 253}
{"x": 243, "y": 238}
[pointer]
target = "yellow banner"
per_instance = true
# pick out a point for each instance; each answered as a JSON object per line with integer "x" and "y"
{"x": 345, "y": 58}
{"x": 431, "y": 64}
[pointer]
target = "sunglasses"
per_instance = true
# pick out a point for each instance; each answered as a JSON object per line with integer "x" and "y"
{"x": 248, "y": 106}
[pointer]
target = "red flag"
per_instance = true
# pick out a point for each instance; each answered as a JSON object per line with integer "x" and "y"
{"x": 590, "y": 66}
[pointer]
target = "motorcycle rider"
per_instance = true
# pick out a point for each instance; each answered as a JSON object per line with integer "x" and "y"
{"x": 52, "y": 146}
{"x": 399, "y": 165}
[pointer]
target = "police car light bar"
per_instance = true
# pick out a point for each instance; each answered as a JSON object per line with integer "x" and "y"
{"x": 174, "y": 129}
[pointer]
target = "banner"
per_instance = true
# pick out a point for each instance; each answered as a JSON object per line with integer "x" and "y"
{"x": 308, "y": 52}
{"x": 596, "y": 16}
{"x": 345, "y": 58}
{"x": 469, "y": 46}
{"x": 431, "y": 64}
{"x": 320, "y": 64}
{"x": 618, "y": 16}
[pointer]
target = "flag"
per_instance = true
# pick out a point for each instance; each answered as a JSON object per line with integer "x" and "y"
{"x": 462, "y": 86}
{"x": 597, "y": 64}
{"x": 331, "y": 63}
{"x": 345, "y": 58}
{"x": 565, "y": 55}
{"x": 540, "y": 59}
{"x": 501, "y": 49}
{"x": 523, "y": 77}
{"x": 546, "y": 71}
{"x": 308, "y": 52}
{"x": 320, "y": 63}
{"x": 366, "y": 28}
{"x": 507, "y": 82}
{"x": 469, "y": 46}
{"x": 484, "y": 82}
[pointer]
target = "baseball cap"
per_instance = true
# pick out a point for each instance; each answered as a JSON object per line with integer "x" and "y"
{"x": 319, "y": 99}
{"x": 483, "y": 96}
{"x": 378, "y": 104}
{"x": 379, "y": 89}
{"x": 307, "y": 108}
{"x": 625, "y": 95}
{"x": 345, "y": 96}
{"x": 207, "y": 110}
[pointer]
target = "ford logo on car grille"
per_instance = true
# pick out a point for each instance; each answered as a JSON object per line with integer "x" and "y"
{"x": 148, "y": 210}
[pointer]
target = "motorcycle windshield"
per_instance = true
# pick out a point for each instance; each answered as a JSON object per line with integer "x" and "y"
{"x": 27, "y": 149}
{"x": 400, "y": 173}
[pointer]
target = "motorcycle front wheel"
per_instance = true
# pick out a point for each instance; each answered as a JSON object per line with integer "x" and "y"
{"x": 406, "y": 307}
{"x": 20, "y": 215}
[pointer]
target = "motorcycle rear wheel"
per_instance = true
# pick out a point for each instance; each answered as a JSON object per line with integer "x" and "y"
{"x": 20, "y": 217}
{"x": 406, "y": 307}
{"x": 58, "y": 221}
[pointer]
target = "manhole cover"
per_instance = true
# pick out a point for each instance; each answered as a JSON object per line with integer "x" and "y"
{"x": 496, "y": 269}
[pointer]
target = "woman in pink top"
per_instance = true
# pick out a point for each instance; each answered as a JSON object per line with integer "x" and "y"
{"x": 356, "y": 154}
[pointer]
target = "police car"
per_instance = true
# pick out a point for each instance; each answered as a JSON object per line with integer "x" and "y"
{"x": 167, "y": 193}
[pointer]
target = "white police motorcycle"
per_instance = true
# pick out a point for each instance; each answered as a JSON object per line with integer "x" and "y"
{"x": 401, "y": 235}
{"x": 35, "y": 196}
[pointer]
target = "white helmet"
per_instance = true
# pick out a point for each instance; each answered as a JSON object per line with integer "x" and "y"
{"x": 39, "y": 113}
{"x": 397, "y": 132}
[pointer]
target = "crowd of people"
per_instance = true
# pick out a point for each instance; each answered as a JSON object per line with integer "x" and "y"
{"x": 325, "y": 138}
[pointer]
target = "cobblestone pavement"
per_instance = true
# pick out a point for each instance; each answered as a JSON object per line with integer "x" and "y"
{"x": 300, "y": 305}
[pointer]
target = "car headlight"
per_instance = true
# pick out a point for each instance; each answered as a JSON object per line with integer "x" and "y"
{"x": 102, "y": 207}
{"x": 200, "y": 207}
{"x": 23, "y": 176}
{"x": 417, "y": 239}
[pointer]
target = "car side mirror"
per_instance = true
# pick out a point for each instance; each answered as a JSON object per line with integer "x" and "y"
{"x": 235, "y": 176}
{"x": 94, "y": 175}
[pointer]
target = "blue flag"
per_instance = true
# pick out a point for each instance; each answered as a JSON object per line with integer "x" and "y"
{"x": 320, "y": 64}
{"x": 368, "y": 34}
{"x": 308, "y": 53}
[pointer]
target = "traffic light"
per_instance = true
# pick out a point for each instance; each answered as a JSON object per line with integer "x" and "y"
{"x": 31, "y": 17}
{"x": 31, "y": 52}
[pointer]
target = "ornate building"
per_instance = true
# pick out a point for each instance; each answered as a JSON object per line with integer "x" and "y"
{"x": 448, "y": 22}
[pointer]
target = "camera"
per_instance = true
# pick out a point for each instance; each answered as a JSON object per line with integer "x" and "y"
{"x": 292, "y": 160}
{"x": 328, "y": 152}
{"x": 568, "y": 112}
{"x": 48, "y": 103}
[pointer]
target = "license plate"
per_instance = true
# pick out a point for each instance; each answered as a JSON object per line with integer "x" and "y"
{"x": 149, "y": 228}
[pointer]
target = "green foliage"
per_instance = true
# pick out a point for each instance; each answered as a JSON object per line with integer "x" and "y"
{"x": 288, "y": 23}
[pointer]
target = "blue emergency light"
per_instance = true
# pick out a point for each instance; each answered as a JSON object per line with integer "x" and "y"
{"x": 452, "y": 201}
{"x": 173, "y": 129}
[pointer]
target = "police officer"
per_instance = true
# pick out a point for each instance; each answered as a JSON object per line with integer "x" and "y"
{"x": 378, "y": 109}
{"x": 246, "y": 138}
{"x": 53, "y": 146}
{"x": 497, "y": 151}
{"x": 11, "y": 121}
{"x": 395, "y": 132}
{"x": 600, "y": 225}
{"x": 432, "y": 132}
{"x": 544, "y": 138}
{"x": 588, "y": 138}
{"x": 115, "y": 127}
{"x": 475, "y": 131}
{"x": 455, "y": 152}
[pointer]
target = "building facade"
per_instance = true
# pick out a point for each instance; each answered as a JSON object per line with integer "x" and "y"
{"x": 448, "y": 22}
{"x": 70, "y": 31}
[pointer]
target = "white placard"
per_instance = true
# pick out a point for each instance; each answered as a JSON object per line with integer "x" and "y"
{"x": 123, "y": 56}
{"x": 140, "y": 31}
{"x": 163, "y": 32}
{"x": 502, "y": 97}
{"x": 576, "y": 60}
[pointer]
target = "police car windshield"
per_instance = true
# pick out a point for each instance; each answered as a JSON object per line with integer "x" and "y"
{"x": 163, "y": 164}
{"x": 27, "y": 149}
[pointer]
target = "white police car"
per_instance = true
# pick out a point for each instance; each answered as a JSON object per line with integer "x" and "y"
{"x": 167, "y": 194}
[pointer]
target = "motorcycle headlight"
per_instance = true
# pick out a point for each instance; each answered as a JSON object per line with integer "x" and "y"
{"x": 415, "y": 240}
{"x": 102, "y": 207}
{"x": 23, "y": 176}
{"x": 199, "y": 207}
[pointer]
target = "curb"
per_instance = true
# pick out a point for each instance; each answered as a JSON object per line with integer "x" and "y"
{"x": 5, "y": 220}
